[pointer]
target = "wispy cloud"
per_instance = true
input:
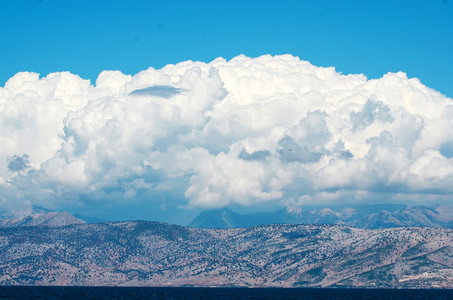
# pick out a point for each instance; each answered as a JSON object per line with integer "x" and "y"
{"x": 163, "y": 91}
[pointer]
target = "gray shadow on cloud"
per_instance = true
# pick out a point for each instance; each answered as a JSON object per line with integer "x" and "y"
{"x": 18, "y": 163}
{"x": 371, "y": 111}
{"x": 340, "y": 151}
{"x": 257, "y": 155}
{"x": 291, "y": 151}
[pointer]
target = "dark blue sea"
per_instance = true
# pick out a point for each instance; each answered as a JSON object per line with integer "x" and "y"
{"x": 26, "y": 292}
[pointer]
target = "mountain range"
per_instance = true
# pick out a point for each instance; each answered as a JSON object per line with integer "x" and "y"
{"x": 142, "y": 253}
{"x": 377, "y": 216}
{"x": 362, "y": 216}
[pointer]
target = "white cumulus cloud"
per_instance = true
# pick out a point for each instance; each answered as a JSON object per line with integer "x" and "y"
{"x": 244, "y": 131}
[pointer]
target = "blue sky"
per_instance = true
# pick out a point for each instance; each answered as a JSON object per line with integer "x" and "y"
{"x": 256, "y": 131}
{"x": 369, "y": 37}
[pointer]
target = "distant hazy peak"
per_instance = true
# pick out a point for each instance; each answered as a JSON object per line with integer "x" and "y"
{"x": 294, "y": 210}
{"x": 36, "y": 215}
{"x": 23, "y": 212}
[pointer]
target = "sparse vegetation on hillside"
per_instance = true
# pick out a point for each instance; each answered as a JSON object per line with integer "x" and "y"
{"x": 155, "y": 254}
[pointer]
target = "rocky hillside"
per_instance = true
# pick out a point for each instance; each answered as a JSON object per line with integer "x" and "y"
{"x": 154, "y": 254}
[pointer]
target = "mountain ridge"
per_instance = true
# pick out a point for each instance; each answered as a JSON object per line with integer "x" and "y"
{"x": 144, "y": 253}
{"x": 361, "y": 216}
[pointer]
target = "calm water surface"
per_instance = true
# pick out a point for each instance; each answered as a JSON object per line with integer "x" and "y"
{"x": 15, "y": 292}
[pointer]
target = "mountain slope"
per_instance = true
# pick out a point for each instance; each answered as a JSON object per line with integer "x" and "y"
{"x": 155, "y": 254}
{"x": 89, "y": 220}
{"x": 219, "y": 218}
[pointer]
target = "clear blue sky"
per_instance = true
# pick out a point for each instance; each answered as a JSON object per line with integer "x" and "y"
{"x": 87, "y": 37}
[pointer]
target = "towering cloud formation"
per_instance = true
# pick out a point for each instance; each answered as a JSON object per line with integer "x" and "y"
{"x": 241, "y": 131}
